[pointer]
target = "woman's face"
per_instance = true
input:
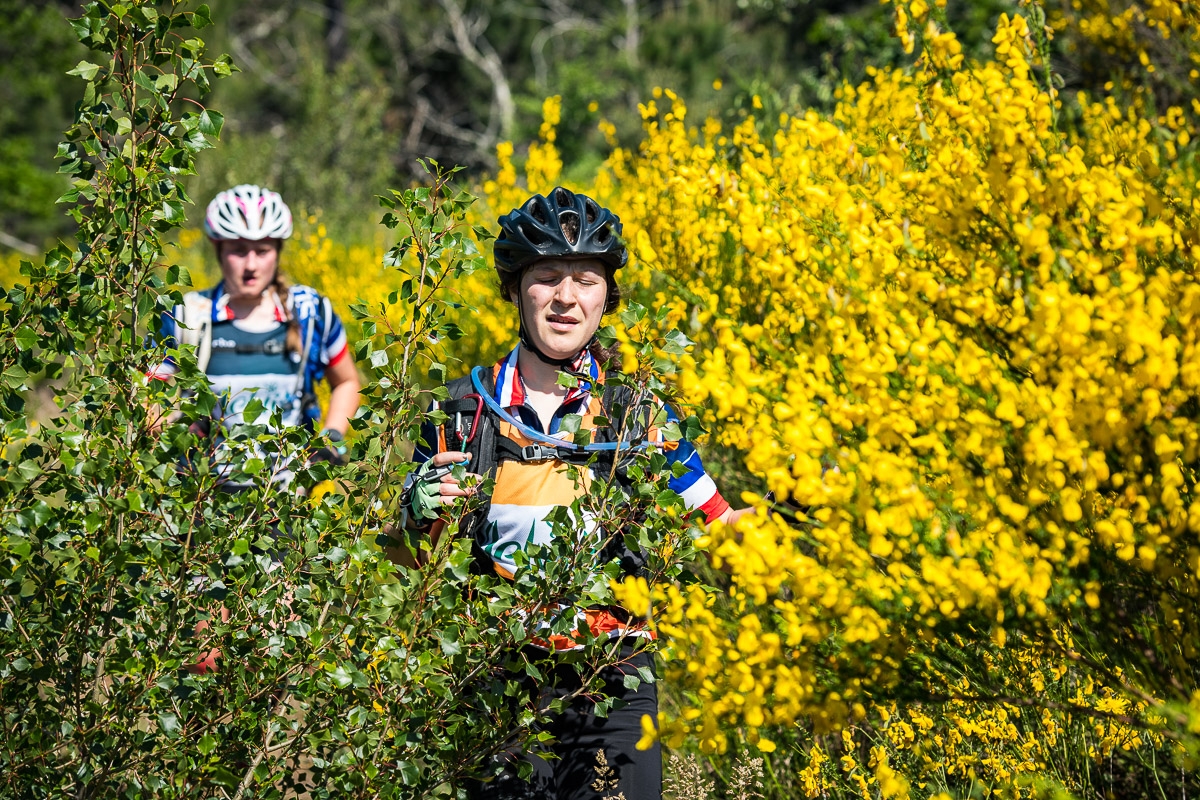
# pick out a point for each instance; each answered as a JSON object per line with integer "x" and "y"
{"x": 248, "y": 266}
{"x": 563, "y": 301}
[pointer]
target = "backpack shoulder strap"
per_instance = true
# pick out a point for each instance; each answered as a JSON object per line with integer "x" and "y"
{"x": 304, "y": 303}
{"x": 461, "y": 387}
{"x": 195, "y": 325}
{"x": 469, "y": 417}
{"x": 632, "y": 423}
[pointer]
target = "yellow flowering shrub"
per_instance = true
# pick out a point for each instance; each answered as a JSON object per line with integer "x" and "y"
{"x": 1140, "y": 41}
{"x": 10, "y": 268}
{"x": 963, "y": 334}
{"x": 1040, "y": 724}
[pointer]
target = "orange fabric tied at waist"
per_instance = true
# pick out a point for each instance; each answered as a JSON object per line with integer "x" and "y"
{"x": 601, "y": 622}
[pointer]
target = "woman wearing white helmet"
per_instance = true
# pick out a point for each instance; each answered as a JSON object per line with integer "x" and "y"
{"x": 259, "y": 338}
{"x": 256, "y": 336}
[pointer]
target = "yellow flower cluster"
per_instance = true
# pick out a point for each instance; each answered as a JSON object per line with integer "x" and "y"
{"x": 998, "y": 745}
{"x": 966, "y": 340}
{"x": 10, "y": 269}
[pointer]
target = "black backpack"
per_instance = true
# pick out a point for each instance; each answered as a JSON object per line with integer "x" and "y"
{"x": 472, "y": 428}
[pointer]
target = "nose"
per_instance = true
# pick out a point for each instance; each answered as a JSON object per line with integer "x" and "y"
{"x": 565, "y": 291}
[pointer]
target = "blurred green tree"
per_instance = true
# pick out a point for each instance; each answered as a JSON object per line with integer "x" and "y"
{"x": 341, "y": 97}
{"x": 36, "y": 97}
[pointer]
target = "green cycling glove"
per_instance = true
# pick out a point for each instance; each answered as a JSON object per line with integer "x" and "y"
{"x": 426, "y": 501}
{"x": 422, "y": 496}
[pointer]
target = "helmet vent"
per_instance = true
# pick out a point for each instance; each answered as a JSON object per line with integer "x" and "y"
{"x": 535, "y": 236}
{"x": 569, "y": 221}
{"x": 559, "y": 224}
{"x": 247, "y": 212}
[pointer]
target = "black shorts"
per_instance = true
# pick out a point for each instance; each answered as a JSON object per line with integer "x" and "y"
{"x": 596, "y": 757}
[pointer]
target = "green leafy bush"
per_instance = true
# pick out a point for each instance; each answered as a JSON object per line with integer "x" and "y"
{"x": 162, "y": 636}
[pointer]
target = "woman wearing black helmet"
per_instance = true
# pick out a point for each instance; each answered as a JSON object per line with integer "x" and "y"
{"x": 557, "y": 258}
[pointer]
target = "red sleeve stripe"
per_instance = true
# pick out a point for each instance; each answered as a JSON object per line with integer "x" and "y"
{"x": 163, "y": 372}
{"x": 714, "y": 508}
{"x": 341, "y": 354}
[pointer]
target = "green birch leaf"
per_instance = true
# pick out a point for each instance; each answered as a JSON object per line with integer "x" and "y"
{"x": 85, "y": 69}
{"x": 211, "y": 123}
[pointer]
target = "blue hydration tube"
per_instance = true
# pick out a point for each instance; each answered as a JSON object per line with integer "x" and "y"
{"x": 538, "y": 436}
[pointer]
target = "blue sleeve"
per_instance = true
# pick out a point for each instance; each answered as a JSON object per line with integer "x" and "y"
{"x": 329, "y": 344}
{"x": 698, "y": 490}
{"x": 163, "y": 339}
{"x": 334, "y": 345}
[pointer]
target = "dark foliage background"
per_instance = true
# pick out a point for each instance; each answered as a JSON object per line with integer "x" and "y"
{"x": 339, "y": 98}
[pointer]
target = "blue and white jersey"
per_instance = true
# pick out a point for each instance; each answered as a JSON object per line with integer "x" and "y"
{"x": 252, "y": 363}
{"x": 247, "y": 362}
{"x": 237, "y": 369}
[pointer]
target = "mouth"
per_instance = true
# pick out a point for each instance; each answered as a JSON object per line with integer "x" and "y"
{"x": 561, "y": 322}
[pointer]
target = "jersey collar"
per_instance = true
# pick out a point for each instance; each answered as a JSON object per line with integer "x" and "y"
{"x": 510, "y": 387}
{"x": 221, "y": 312}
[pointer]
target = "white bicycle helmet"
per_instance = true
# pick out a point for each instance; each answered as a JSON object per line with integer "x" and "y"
{"x": 248, "y": 212}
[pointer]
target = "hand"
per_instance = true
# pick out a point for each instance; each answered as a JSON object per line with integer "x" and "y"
{"x": 335, "y": 452}
{"x": 433, "y": 486}
{"x": 158, "y": 419}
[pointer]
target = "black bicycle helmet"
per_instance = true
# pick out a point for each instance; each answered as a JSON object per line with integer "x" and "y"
{"x": 562, "y": 225}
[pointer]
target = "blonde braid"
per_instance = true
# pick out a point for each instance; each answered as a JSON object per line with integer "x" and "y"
{"x": 279, "y": 287}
